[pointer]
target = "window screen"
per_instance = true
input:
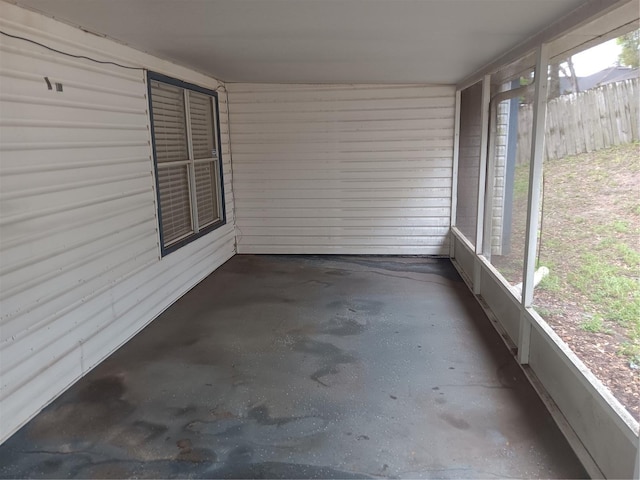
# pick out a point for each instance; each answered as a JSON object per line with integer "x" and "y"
{"x": 184, "y": 121}
{"x": 469, "y": 160}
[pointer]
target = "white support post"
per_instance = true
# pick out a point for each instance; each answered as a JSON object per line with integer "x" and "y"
{"x": 535, "y": 186}
{"x": 454, "y": 175}
{"x": 482, "y": 178}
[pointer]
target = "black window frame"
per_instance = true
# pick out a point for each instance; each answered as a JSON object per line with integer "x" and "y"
{"x": 217, "y": 141}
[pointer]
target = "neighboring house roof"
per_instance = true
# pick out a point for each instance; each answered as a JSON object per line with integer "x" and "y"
{"x": 603, "y": 77}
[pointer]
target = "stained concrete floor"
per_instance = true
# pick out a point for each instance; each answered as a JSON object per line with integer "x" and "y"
{"x": 299, "y": 367}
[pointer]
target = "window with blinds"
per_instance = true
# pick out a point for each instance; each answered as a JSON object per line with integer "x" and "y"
{"x": 185, "y": 129}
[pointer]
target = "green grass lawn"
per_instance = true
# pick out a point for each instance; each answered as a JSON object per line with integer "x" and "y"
{"x": 590, "y": 240}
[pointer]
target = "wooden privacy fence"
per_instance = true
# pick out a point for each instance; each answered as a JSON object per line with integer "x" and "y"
{"x": 584, "y": 122}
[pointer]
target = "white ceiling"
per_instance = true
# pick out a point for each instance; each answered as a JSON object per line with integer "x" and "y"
{"x": 317, "y": 41}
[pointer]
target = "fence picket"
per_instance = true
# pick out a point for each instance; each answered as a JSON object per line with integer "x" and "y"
{"x": 585, "y": 122}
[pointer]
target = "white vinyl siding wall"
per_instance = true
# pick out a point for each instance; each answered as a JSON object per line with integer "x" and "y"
{"x": 342, "y": 169}
{"x": 80, "y": 266}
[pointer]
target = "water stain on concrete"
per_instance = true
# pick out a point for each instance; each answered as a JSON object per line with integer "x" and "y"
{"x": 315, "y": 283}
{"x": 337, "y": 273}
{"x": 323, "y": 349}
{"x": 342, "y": 326}
{"x": 330, "y": 356}
{"x": 508, "y": 374}
{"x": 194, "y": 455}
{"x": 90, "y": 407}
{"x": 139, "y": 432}
{"x": 405, "y": 265}
{"x": 102, "y": 389}
{"x": 185, "y": 411}
{"x": 358, "y": 305}
{"x": 282, "y": 470}
{"x": 141, "y": 469}
{"x": 224, "y": 428}
{"x": 319, "y": 374}
{"x": 454, "y": 421}
{"x": 50, "y": 466}
{"x": 259, "y": 426}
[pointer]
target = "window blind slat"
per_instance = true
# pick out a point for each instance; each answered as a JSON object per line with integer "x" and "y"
{"x": 206, "y": 197}
{"x": 169, "y": 123}
{"x": 201, "y": 115}
{"x": 175, "y": 206}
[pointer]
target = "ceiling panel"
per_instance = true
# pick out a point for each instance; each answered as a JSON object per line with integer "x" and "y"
{"x": 317, "y": 41}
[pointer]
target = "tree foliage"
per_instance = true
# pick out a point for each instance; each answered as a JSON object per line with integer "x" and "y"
{"x": 630, "y": 43}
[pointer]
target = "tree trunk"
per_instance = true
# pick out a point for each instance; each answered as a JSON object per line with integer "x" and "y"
{"x": 554, "y": 80}
{"x": 574, "y": 79}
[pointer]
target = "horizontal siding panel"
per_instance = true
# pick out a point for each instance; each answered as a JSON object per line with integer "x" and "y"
{"x": 309, "y": 156}
{"x": 339, "y": 127}
{"x": 53, "y": 124}
{"x": 254, "y": 92}
{"x": 373, "y": 204}
{"x": 28, "y": 108}
{"x": 351, "y": 174}
{"x": 345, "y": 249}
{"x": 48, "y": 146}
{"x": 78, "y": 279}
{"x": 374, "y": 165}
{"x": 49, "y": 273}
{"x": 344, "y": 196}
{"x": 342, "y": 169}
{"x": 344, "y": 105}
{"x": 320, "y": 240}
{"x": 345, "y": 222}
{"x": 46, "y": 164}
{"x": 34, "y": 59}
{"x": 54, "y": 225}
{"x": 22, "y": 178}
{"x": 392, "y": 114}
{"x": 25, "y": 68}
{"x": 309, "y": 209}
{"x": 35, "y": 135}
{"x": 80, "y": 263}
{"x": 15, "y": 210}
{"x": 33, "y": 160}
{"x": 70, "y": 235}
{"x": 92, "y": 105}
{"x": 334, "y": 146}
{"x": 376, "y": 231}
{"x": 342, "y": 136}
{"x": 137, "y": 179}
{"x": 61, "y": 376}
{"x": 361, "y": 184}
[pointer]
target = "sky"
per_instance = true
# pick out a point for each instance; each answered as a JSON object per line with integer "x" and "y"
{"x": 596, "y": 58}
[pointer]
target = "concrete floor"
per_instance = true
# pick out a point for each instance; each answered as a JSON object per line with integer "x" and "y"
{"x": 290, "y": 366}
